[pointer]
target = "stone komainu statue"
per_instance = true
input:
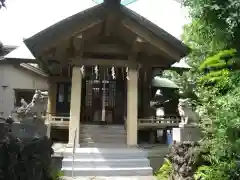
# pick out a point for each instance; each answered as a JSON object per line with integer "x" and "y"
{"x": 35, "y": 108}
{"x": 188, "y": 116}
{"x": 29, "y": 118}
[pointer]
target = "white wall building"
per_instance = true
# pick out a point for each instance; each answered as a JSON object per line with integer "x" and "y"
{"x": 16, "y": 81}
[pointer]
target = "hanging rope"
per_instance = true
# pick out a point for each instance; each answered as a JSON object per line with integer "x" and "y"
{"x": 113, "y": 73}
{"x": 127, "y": 77}
{"x": 96, "y": 71}
{"x": 83, "y": 70}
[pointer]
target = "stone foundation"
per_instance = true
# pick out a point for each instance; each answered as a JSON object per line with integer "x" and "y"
{"x": 187, "y": 133}
{"x": 28, "y": 131}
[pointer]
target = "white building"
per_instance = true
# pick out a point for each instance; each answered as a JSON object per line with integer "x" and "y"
{"x": 16, "y": 81}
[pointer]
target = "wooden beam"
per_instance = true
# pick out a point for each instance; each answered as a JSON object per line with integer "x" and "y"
{"x": 154, "y": 60}
{"x": 112, "y": 21}
{"x": 78, "y": 45}
{"x": 58, "y": 79}
{"x": 61, "y": 52}
{"x": 106, "y": 49}
{"x": 151, "y": 38}
{"x": 90, "y": 23}
{"x": 104, "y": 62}
{"x": 112, "y": 3}
{"x": 108, "y": 28}
{"x": 61, "y": 56}
{"x": 138, "y": 44}
{"x": 136, "y": 48}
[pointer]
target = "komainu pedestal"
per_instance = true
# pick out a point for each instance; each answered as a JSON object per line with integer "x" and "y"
{"x": 29, "y": 121}
{"x": 188, "y": 129}
{"x": 187, "y": 133}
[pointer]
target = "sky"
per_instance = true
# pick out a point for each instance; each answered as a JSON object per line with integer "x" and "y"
{"x": 24, "y": 18}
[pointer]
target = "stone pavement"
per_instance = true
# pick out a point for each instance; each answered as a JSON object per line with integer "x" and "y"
{"x": 111, "y": 178}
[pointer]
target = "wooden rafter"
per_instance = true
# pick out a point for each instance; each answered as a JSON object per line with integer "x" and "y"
{"x": 112, "y": 21}
{"x": 153, "y": 60}
{"x": 78, "y": 44}
{"x": 103, "y": 62}
{"x": 150, "y": 38}
{"x": 138, "y": 44}
{"x": 88, "y": 25}
{"x": 106, "y": 49}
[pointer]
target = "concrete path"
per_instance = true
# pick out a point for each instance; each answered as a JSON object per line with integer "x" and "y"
{"x": 112, "y": 178}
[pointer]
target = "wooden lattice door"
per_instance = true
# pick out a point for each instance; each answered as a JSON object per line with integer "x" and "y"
{"x": 95, "y": 92}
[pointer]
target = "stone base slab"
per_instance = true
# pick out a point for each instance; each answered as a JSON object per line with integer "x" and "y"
{"x": 186, "y": 134}
{"x": 70, "y": 145}
{"x": 27, "y": 131}
{"x": 110, "y": 178}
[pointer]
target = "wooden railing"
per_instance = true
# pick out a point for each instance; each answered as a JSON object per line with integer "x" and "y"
{"x": 158, "y": 123}
{"x": 58, "y": 121}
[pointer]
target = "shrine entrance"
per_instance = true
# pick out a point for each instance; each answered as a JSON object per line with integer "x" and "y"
{"x": 105, "y": 35}
{"x": 102, "y": 96}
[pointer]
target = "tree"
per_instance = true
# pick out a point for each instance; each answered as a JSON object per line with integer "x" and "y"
{"x": 213, "y": 36}
{"x": 2, "y": 3}
{"x": 219, "y": 19}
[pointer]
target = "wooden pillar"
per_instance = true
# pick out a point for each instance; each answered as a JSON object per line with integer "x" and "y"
{"x": 132, "y": 107}
{"x": 75, "y": 106}
{"x": 52, "y": 98}
{"x": 146, "y": 92}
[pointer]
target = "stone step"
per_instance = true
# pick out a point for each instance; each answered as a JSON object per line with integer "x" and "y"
{"x": 106, "y": 153}
{"x": 107, "y": 141}
{"x": 114, "y": 132}
{"x": 103, "y": 130}
{"x": 132, "y": 177}
{"x": 105, "y": 163}
{"x": 102, "y": 126}
{"x": 106, "y": 156}
{"x": 100, "y": 145}
{"x": 94, "y": 138}
{"x": 98, "y": 134}
{"x": 107, "y": 127}
{"x": 102, "y": 136}
{"x": 107, "y": 135}
{"x": 144, "y": 171}
{"x": 91, "y": 134}
{"x": 93, "y": 144}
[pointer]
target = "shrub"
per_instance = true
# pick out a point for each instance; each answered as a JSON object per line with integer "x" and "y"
{"x": 24, "y": 160}
{"x": 165, "y": 171}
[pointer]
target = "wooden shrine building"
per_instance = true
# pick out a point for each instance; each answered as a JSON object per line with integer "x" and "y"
{"x": 100, "y": 65}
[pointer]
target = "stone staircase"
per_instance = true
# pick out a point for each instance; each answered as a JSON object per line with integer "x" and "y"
{"x": 106, "y": 162}
{"x": 93, "y": 135}
{"x": 103, "y": 152}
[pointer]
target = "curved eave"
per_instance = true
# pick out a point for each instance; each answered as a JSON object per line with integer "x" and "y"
{"x": 19, "y": 55}
{"x": 34, "y": 69}
{"x": 66, "y": 27}
{"x": 180, "y": 66}
{"x": 16, "y": 60}
{"x": 161, "y": 33}
{"x": 163, "y": 83}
